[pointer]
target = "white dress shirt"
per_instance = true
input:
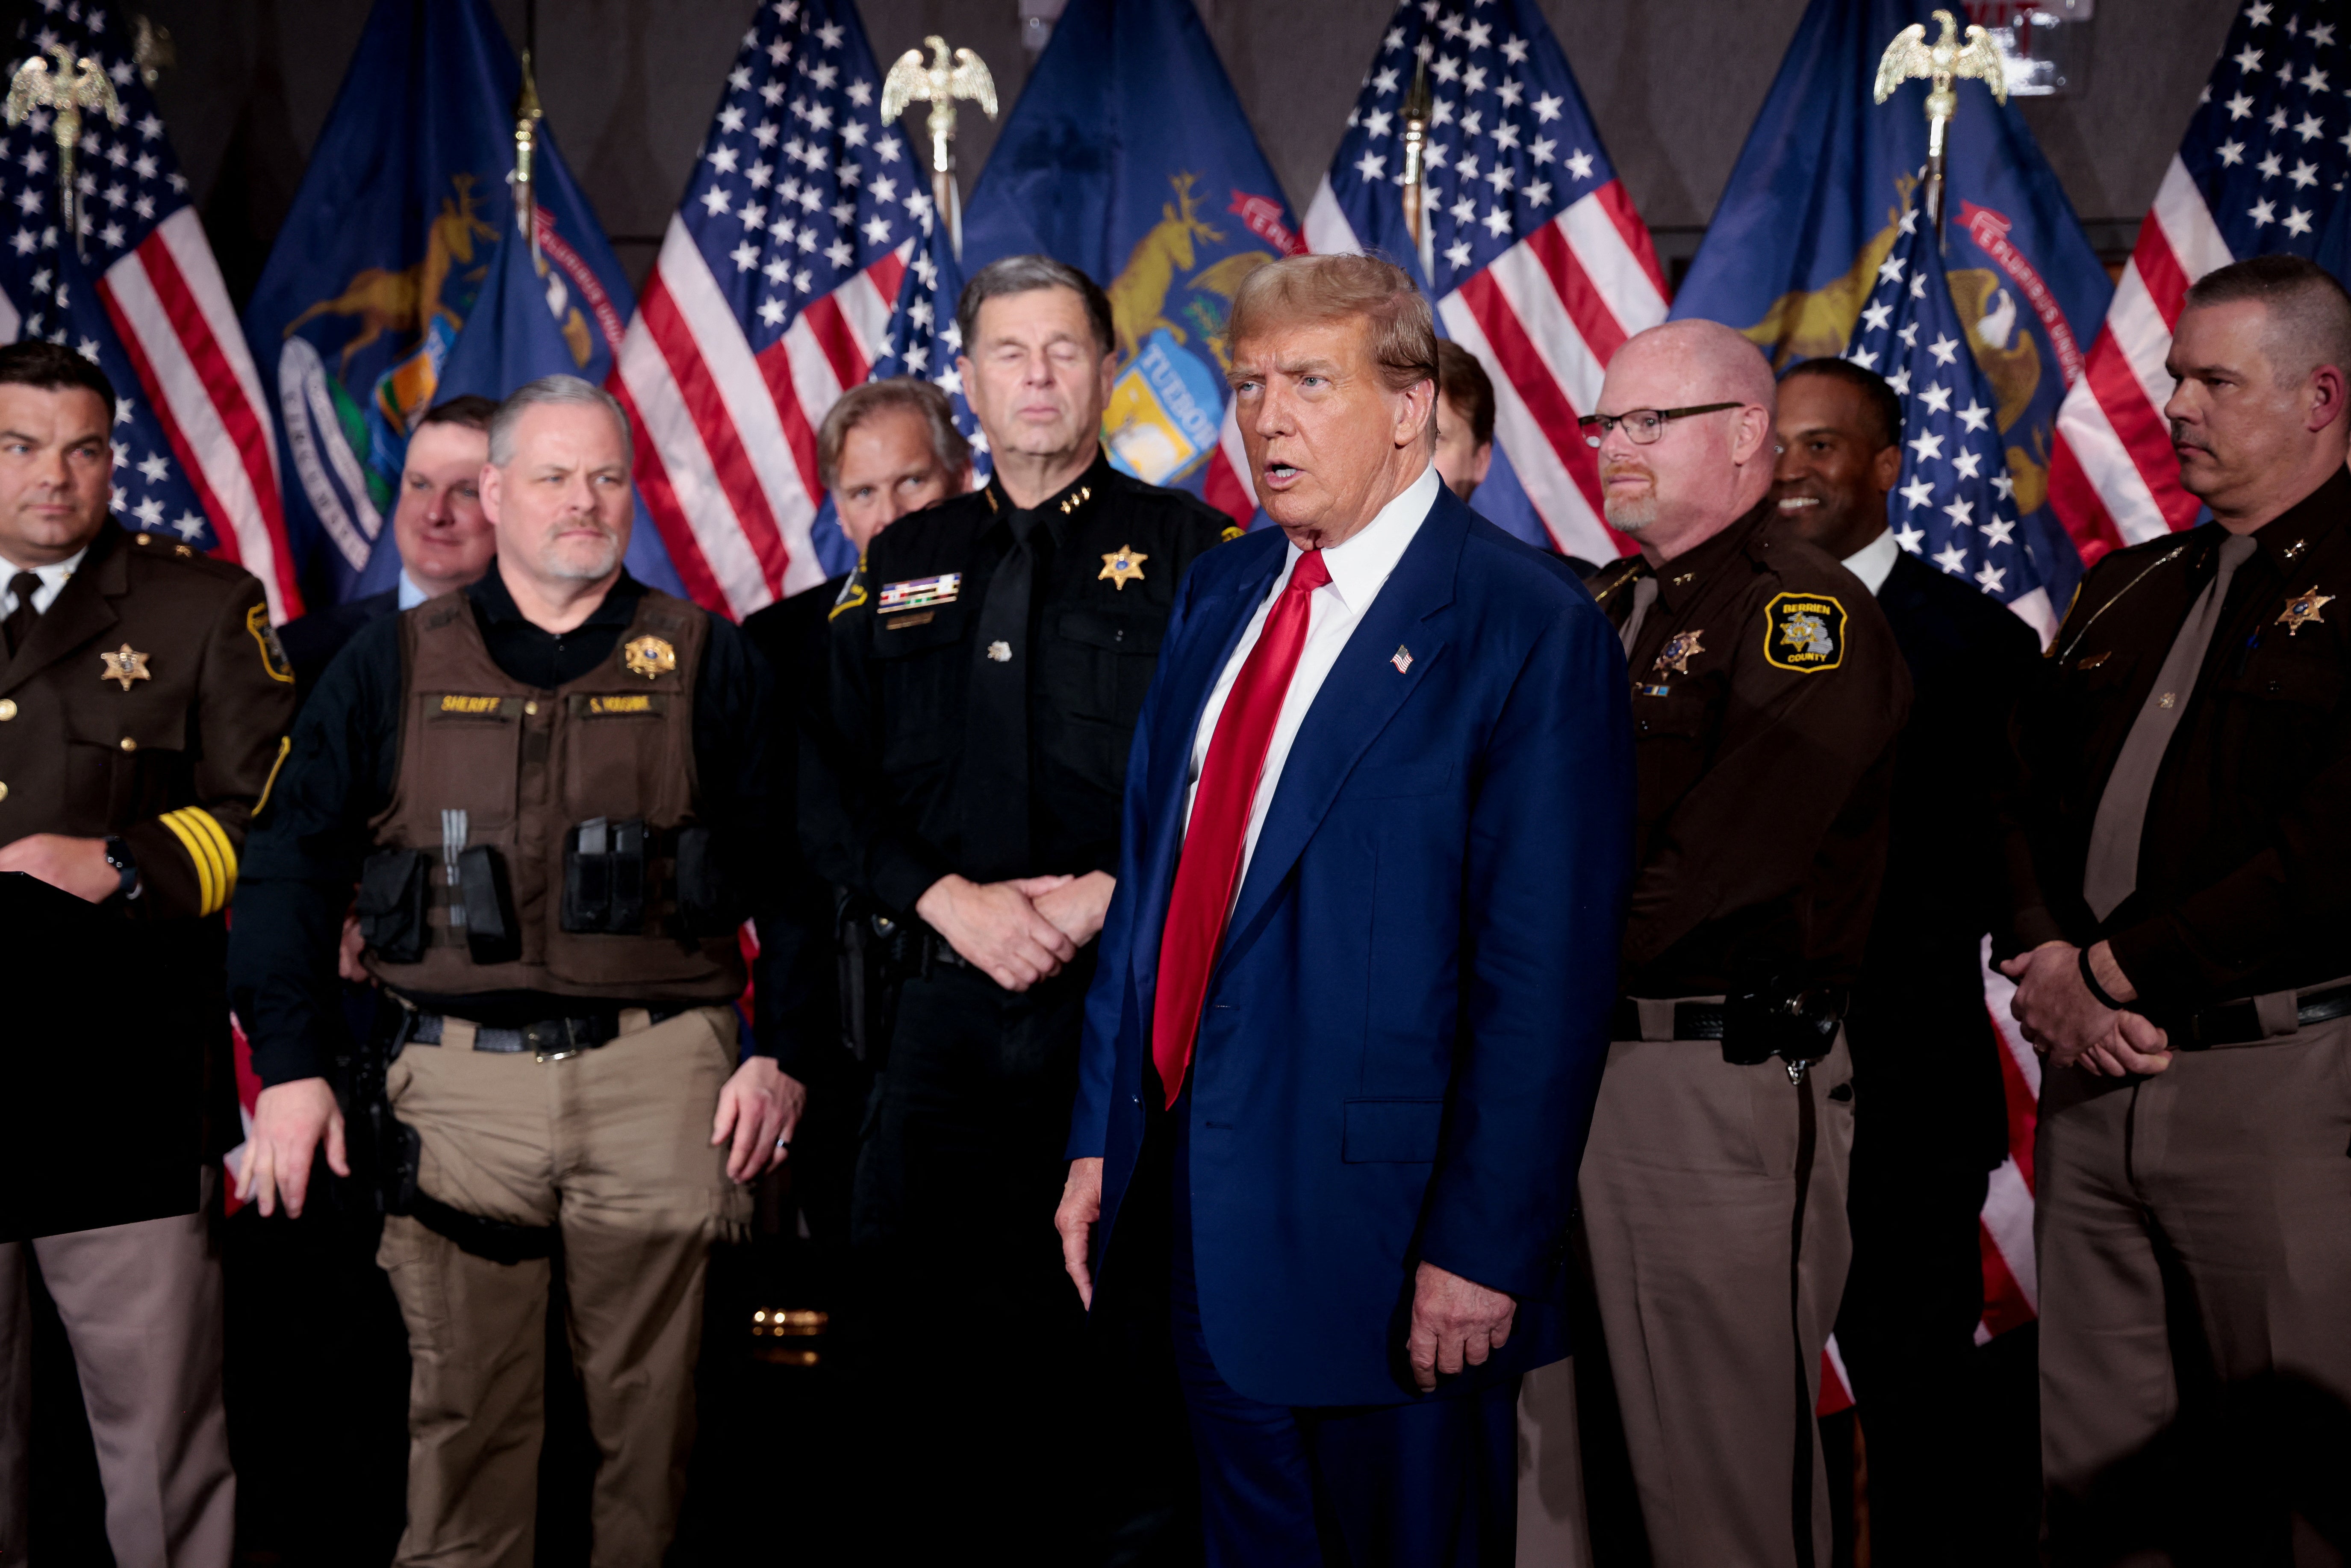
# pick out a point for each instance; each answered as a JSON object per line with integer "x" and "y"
{"x": 411, "y": 596}
{"x": 1358, "y": 568}
{"x": 1874, "y": 562}
{"x": 53, "y": 582}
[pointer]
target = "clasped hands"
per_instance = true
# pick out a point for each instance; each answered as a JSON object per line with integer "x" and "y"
{"x": 1017, "y": 932}
{"x": 2070, "y": 1025}
{"x": 1456, "y": 1322}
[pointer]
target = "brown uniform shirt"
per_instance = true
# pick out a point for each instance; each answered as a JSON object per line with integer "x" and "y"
{"x": 175, "y": 759}
{"x": 1767, "y": 694}
{"x": 2244, "y": 869}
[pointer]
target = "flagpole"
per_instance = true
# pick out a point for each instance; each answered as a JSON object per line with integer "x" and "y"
{"x": 1940, "y": 64}
{"x": 947, "y": 77}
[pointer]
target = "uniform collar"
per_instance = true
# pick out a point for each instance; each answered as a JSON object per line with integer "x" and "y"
{"x": 1682, "y": 579}
{"x": 494, "y": 603}
{"x": 1061, "y": 508}
{"x": 2295, "y": 536}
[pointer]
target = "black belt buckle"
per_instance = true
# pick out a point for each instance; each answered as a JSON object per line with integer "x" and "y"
{"x": 556, "y": 1039}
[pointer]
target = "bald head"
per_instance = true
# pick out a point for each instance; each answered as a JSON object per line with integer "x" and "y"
{"x": 1705, "y": 470}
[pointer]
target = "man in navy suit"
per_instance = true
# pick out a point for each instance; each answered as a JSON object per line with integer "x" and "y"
{"x": 1930, "y": 1119}
{"x": 1347, "y": 1029}
{"x": 444, "y": 539}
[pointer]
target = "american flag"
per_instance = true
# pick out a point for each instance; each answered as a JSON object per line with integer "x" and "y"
{"x": 771, "y": 294}
{"x": 925, "y": 337}
{"x": 1532, "y": 251}
{"x": 141, "y": 297}
{"x": 1955, "y": 506}
{"x": 2262, "y": 170}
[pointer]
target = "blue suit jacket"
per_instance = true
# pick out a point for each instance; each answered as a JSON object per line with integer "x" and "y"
{"x": 1406, "y": 1027}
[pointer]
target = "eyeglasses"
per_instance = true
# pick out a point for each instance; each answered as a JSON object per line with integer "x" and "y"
{"x": 1643, "y": 426}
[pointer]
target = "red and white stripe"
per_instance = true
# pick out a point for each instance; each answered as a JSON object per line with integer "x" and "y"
{"x": 171, "y": 313}
{"x": 725, "y": 438}
{"x": 1544, "y": 318}
{"x": 2011, "y": 1280}
{"x": 2112, "y": 478}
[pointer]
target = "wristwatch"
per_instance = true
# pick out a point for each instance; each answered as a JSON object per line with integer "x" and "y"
{"x": 118, "y": 855}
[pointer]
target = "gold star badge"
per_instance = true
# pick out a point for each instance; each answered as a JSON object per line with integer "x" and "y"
{"x": 126, "y": 666}
{"x": 1122, "y": 566}
{"x": 650, "y": 657}
{"x": 1678, "y": 651}
{"x": 2303, "y": 611}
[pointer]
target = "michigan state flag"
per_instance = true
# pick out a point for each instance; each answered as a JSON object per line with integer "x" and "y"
{"x": 1129, "y": 158}
{"x": 1813, "y": 211}
{"x": 384, "y": 257}
{"x": 555, "y": 308}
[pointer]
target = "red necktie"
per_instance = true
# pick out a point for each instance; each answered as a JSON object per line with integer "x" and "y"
{"x": 1211, "y": 866}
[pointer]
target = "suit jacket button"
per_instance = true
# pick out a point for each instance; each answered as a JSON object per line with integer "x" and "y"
{"x": 7, "y": 709}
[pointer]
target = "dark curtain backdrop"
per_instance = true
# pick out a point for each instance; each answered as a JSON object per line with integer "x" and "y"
{"x": 630, "y": 85}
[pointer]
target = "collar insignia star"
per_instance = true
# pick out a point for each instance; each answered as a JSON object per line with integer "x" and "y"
{"x": 1122, "y": 566}
{"x": 650, "y": 657}
{"x": 1679, "y": 650}
{"x": 127, "y": 664}
{"x": 2303, "y": 609}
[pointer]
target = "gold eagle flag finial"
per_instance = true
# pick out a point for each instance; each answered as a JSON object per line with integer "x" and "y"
{"x": 67, "y": 91}
{"x": 1940, "y": 64}
{"x": 949, "y": 77}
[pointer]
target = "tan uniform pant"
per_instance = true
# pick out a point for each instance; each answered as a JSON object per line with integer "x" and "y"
{"x": 613, "y": 1146}
{"x": 141, "y": 1305}
{"x": 2228, "y": 1173}
{"x": 1713, "y": 1321}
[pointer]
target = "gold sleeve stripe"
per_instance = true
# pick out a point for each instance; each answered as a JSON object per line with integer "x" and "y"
{"x": 222, "y": 844}
{"x": 285, "y": 744}
{"x": 208, "y": 890}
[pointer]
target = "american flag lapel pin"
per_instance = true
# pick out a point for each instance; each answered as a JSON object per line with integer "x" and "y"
{"x": 1402, "y": 659}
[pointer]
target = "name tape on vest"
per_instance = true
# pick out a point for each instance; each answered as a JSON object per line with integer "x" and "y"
{"x": 462, "y": 705}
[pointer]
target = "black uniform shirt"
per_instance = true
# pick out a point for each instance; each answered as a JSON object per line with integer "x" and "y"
{"x": 1767, "y": 692}
{"x": 887, "y": 818}
{"x": 2244, "y": 869}
{"x": 304, "y": 857}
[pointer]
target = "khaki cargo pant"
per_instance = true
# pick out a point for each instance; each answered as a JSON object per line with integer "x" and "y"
{"x": 613, "y": 1146}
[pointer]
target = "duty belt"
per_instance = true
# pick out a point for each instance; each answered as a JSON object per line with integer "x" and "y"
{"x": 2241, "y": 1022}
{"x": 1691, "y": 1020}
{"x": 548, "y": 1040}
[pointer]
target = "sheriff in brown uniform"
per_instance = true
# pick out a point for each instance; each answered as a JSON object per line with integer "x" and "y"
{"x": 1767, "y": 692}
{"x": 143, "y": 700}
{"x": 2182, "y": 862}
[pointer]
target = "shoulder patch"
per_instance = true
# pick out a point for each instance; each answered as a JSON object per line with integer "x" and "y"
{"x": 1231, "y": 532}
{"x": 273, "y": 653}
{"x": 1803, "y": 632}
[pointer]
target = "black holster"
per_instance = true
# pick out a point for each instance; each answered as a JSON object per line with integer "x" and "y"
{"x": 393, "y": 1151}
{"x": 1799, "y": 1027}
{"x": 877, "y": 955}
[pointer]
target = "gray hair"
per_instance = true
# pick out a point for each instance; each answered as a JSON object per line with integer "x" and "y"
{"x": 550, "y": 390}
{"x": 2309, "y": 313}
{"x": 1025, "y": 275}
{"x": 863, "y": 402}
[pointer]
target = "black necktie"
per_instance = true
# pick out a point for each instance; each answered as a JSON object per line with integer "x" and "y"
{"x": 19, "y": 624}
{"x": 996, "y": 718}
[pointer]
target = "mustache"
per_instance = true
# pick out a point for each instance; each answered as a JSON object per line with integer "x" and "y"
{"x": 2180, "y": 437}
{"x": 1641, "y": 470}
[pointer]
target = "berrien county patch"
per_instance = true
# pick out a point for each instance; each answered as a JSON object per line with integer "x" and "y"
{"x": 1804, "y": 633}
